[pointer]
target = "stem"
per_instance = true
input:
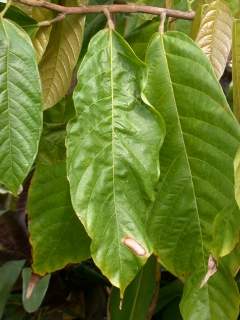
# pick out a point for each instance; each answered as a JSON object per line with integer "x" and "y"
{"x": 114, "y": 8}
{"x": 8, "y": 4}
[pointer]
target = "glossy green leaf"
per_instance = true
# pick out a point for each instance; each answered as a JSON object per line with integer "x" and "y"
{"x": 57, "y": 236}
{"x": 20, "y": 107}
{"x": 218, "y": 299}
{"x": 113, "y": 157}
{"x": 236, "y": 68}
{"x": 196, "y": 159}
{"x": 138, "y": 295}
{"x": 34, "y": 290}
{"x": 9, "y": 274}
{"x": 61, "y": 56}
{"x": 215, "y": 35}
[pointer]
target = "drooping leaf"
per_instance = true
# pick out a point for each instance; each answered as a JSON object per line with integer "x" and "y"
{"x": 138, "y": 295}
{"x": 218, "y": 299}
{"x": 61, "y": 56}
{"x": 196, "y": 159}
{"x": 215, "y": 35}
{"x": 57, "y": 236}
{"x": 9, "y": 273}
{"x": 34, "y": 289}
{"x": 113, "y": 159}
{"x": 20, "y": 107}
{"x": 236, "y": 68}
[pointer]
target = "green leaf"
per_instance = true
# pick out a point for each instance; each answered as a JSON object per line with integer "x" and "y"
{"x": 61, "y": 56}
{"x": 215, "y": 35}
{"x": 20, "y": 108}
{"x": 51, "y": 214}
{"x": 34, "y": 290}
{"x": 9, "y": 274}
{"x": 113, "y": 159}
{"x": 218, "y": 299}
{"x": 236, "y": 68}
{"x": 196, "y": 159}
{"x": 138, "y": 295}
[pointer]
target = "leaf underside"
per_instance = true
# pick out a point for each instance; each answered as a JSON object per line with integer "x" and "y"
{"x": 215, "y": 34}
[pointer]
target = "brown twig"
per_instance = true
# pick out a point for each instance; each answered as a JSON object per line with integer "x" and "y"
{"x": 114, "y": 8}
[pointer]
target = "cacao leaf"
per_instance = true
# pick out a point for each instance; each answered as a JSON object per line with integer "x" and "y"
{"x": 236, "y": 68}
{"x": 61, "y": 56}
{"x": 20, "y": 107}
{"x": 218, "y": 299}
{"x": 215, "y": 35}
{"x": 196, "y": 159}
{"x": 138, "y": 296}
{"x": 113, "y": 159}
{"x": 51, "y": 214}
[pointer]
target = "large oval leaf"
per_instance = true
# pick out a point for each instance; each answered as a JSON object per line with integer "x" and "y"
{"x": 197, "y": 155}
{"x": 215, "y": 34}
{"x": 50, "y": 211}
{"x": 61, "y": 56}
{"x": 20, "y": 107}
{"x": 113, "y": 157}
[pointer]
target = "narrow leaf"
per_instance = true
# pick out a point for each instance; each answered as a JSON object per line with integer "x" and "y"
{"x": 113, "y": 159}
{"x": 61, "y": 56}
{"x": 56, "y": 234}
{"x": 215, "y": 34}
{"x": 20, "y": 107}
{"x": 9, "y": 274}
{"x": 196, "y": 159}
{"x": 236, "y": 68}
{"x": 138, "y": 295}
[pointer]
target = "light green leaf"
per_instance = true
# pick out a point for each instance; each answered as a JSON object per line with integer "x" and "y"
{"x": 41, "y": 40}
{"x": 236, "y": 68}
{"x": 215, "y": 34}
{"x": 196, "y": 159}
{"x": 34, "y": 289}
{"x": 138, "y": 295}
{"x": 9, "y": 274}
{"x": 237, "y": 176}
{"x": 113, "y": 157}
{"x": 57, "y": 236}
{"x": 218, "y": 299}
{"x": 61, "y": 56}
{"x": 20, "y": 107}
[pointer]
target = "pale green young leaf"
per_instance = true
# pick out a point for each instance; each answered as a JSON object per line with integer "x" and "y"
{"x": 20, "y": 107}
{"x": 113, "y": 157}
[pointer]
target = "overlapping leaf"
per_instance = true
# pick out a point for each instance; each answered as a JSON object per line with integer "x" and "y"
{"x": 196, "y": 158}
{"x": 113, "y": 157}
{"x": 20, "y": 107}
{"x": 215, "y": 34}
{"x": 57, "y": 236}
{"x": 139, "y": 295}
{"x": 236, "y": 68}
{"x": 61, "y": 56}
